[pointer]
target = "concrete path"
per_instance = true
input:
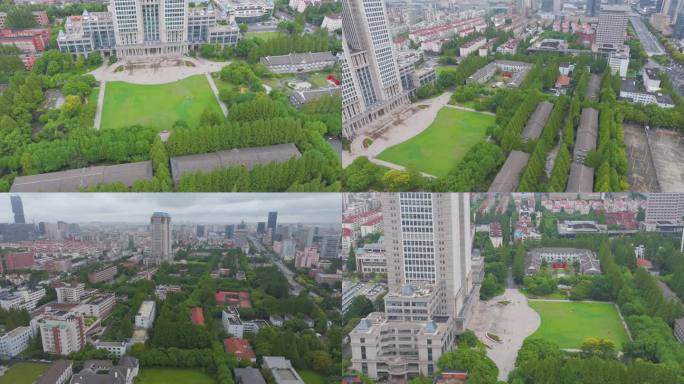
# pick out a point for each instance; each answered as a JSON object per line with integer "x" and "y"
{"x": 396, "y": 166}
{"x": 100, "y": 104}
{"x": 212, "y": 85}
{"x": 512, "y": 323}
{"x": 165, "y": 72}
{"x": 462, "y": 108}
{"x": 399, "y": 133}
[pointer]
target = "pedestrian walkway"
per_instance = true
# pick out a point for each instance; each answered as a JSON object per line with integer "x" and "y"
{"x": 210, "y": 79}
{"x": 100, "y": 104}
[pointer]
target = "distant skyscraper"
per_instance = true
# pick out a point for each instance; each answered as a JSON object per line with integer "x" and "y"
{"x": 371, "y": 85}
{"x": 612, "y": 27}
{"x": 18, "y": 210}
{"x": 261, "y": 227}
{"x": 547, "y": 6}
{"x": 678, "y": 28}
{"x": 200, "y": 231}
{"x": 228, "y": 232}
{"x": 272, "y": 220}
{"x": 593, "y": 8}
{"x": 161, "y": 238}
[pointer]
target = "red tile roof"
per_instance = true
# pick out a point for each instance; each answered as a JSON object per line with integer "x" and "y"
{"x": 197, "y": 316}
{"x": 233, "y": 298}
{"x": 240, "y": 347}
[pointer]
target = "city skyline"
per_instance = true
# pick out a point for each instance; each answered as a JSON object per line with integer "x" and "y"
{"x": 208, "y": 208}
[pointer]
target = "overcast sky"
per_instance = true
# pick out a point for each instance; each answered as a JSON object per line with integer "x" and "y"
{"x": 206, "y": 208}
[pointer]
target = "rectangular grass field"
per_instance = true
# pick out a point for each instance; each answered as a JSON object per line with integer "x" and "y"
{"x": 569, "y": 323}
{"x": 23, "y": 373}
{"x": 157, "y": 105}
{"x": 173, "y": 375}
{"x": 438, "y": 148}
{"x": 263, "y": 35}
{"x": 311, "y": 377}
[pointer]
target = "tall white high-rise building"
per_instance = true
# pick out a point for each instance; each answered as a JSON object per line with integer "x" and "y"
{"x": 433, "y": 285}
{"x": 612, "y": 27}
{"x": 428, "y": 240}
{"x": 371, "y": 85}
{"x": 150, "y": 27}
{"x": 161, "y": 238}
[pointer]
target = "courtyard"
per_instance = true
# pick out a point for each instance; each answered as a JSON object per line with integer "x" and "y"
{"x": 437, "y": 149}
{"x": 568, "y": 323}
{"x": 157, "y": 105}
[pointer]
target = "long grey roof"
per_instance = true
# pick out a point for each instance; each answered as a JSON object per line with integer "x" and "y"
{"x": 297, "y": 58}
{"x": 587, "y": 133}
{"x": 56, "y": 370}
{"x": 535, "y": 125}
{"x": 581, "y": 178}
{"x": 593, "y": 86}
{"x": 247, "y": 157}
{"x": 73, "y": 179}
{"x": 248, "y": 375}
{"x": 508, "y": 177}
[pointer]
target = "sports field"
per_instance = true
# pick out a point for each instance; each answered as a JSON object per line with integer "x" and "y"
{"x": 569, "y": 323}
{"x": 23, "y": 373}
{"x": 173, "y": 375}
{"x": 437, "y": 149}
{"x": 158, "y": 105}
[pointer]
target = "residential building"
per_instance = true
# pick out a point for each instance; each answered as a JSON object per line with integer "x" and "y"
{"x": 14, "y": 342}
{"x": 666, "y": 207}
{"x": 472, "y": 46}
{"x": 282, "y": 370}
{"x": 69, "y": 292}
{"x": 495, "y": 234}
{"x": 62, "y": 332}
{"x": 307, "y": 258}
{"x": 371, "y": 87}
{"x": 145, "y": 316}
{"x": 19, "y": 260}
{"x": 102, "y": 275}
{"x": 59, "y": 373}
{"x": 160, "y": 227}
{"x": 332, "y": 22}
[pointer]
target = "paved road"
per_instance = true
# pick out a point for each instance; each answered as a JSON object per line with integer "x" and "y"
{"x": 295, "y": 287}
{"x": 396, "y": 166}
{"x": 648, "y": 41}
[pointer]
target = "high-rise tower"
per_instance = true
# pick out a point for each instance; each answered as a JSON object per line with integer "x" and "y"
{"x": 371, "y": 85}
{"x": 161, "y": 238}
{"x": 17, "y": 209}
{"x": 272, "y": 221}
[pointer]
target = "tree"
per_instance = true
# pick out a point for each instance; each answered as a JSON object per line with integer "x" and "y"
{"x": 519, "y": 264}
{"x": 360, "y": 306}
{"x": 351, "y": 260}
{"x": 481, "y": 369}
{"x": 599, "y": 347}
{"x": 243, "y": 28}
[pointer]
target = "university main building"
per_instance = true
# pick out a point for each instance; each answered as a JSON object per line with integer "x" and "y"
{"x": 148, "y": 28}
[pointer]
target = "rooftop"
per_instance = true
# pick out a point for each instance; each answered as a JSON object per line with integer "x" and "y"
{"x": 508, "y": 177}
{"x": 75, "y": 179}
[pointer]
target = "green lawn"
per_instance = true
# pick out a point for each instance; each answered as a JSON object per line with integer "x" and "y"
{"x": 319, "y": 79}
{"x": 173, "y": 375}
{"x": 569, "y": 323}
{"x": 311, "y": 377}
{"x": 263, "y": 35}
{"x": 23, "y": 373}
{"x": 158, "y": 105}
{"x": 437, "y": 149}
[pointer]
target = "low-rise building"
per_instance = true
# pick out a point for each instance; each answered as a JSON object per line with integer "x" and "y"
{"x": 248, "y": 375}
{"x": 99, "y": 305}
{"x": 495, "y": 234}
{"x": 618, "y": 61}
{"x": 371, "y": 258}
{"x": 118, "y": 348}
{"x": 102, "y": 275}
{"x": 472, "y": 46}
{"x": 651, "y": 79}
{"x": 299, "y": 62}
{"x": 240, "y": 348}
{"x": 105, "y": 372}
{"x": 679, "y": 330}
{"x": 632, "y": 90}
{"x": 234, "y": 325}
{"x": 59, "y": 373}
{"x": 69, "y": 292}
{"x": 282, "y": 370}
{"x": 14, "y": 342}
{"x": 145, "y": 316}
{"x": 559, "y": 258}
